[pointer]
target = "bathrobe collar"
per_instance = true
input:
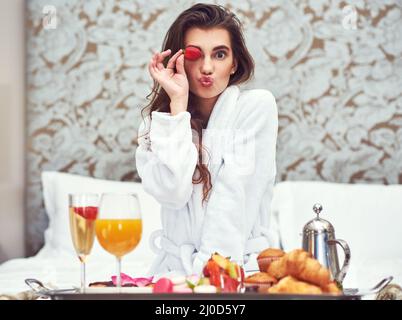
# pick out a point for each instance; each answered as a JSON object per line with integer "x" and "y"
{"x": 223, "y": 112}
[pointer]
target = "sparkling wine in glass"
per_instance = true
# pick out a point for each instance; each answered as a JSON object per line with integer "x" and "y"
{"x": 119, "y": 225}
{"x": 83, "y": 211}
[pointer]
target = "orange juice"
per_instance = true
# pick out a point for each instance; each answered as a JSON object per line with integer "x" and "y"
{"x": 118, "y": 236}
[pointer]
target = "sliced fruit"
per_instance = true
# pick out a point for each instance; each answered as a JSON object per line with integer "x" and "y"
{"x": 229, "y": 284}
{"x": 87, "y": 212}
{"x": 242, "y": 274}
{"x": 205, "y": 271}
{"x": 192, "y": 53}
{"x": 221, "y": 261}
{"x": 214, "y": 273}
{"x": 193, "y": 281}
{"x": 232, "y": 270}
{"x": 204, "y": 282}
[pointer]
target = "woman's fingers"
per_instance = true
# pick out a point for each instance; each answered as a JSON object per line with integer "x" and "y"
{"x": 155, "y": 65}
{"x": 180, "y": 65}
{"x": 160, "y": 57}
{"x": 152, "y": 68}
{"x": 157, "y": 59}
{"x": 172, "y": 61}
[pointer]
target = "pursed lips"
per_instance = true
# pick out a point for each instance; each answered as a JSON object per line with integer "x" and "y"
{"x": 206, "y": 81}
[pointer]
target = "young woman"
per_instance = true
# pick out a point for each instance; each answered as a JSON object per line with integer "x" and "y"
{"x": 206, "y": 149}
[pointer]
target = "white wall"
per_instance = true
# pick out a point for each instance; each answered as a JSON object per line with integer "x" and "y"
{"x": 12, "y": 118}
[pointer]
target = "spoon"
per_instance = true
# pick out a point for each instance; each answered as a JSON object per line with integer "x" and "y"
{"x": 363, "y": 292}
{"x": 38, "y": 287}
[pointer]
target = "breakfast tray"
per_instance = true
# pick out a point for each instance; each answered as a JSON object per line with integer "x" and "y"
{"x": 195, "y": 296}
{"x": 143, "y": 293}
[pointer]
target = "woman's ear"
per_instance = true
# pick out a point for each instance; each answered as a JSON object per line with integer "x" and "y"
{"x": 234, "y": 68}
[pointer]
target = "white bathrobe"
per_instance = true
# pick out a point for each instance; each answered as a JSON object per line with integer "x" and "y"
{"x": 234, "y": 221}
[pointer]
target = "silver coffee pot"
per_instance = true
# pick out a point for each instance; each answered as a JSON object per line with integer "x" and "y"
{"x": 319, "y": 239}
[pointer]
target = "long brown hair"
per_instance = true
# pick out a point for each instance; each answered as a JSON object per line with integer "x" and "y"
{"x": 203, "y": 16}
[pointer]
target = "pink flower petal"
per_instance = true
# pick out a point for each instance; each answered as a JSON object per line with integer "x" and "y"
{"x": 126, "y": 279}
{"x": 142, "y": 282}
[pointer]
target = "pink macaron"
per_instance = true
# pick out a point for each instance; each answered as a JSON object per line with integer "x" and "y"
{"x": 163, "y": 285}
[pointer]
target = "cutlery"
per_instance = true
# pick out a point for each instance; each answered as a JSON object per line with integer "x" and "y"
{"x": 363, "y": 292}
{"x": 38, "y": 287}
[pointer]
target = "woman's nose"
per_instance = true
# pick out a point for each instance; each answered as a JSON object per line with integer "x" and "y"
{"x": 207, "y": 67}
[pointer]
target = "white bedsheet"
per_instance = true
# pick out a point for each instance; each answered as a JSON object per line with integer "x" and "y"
{"x": 62, "y": 270}
{"x": 368, "y": 217}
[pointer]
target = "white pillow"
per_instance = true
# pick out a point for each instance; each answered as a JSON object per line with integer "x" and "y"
{"x": 57, "y": 186}
{"x": 368, "y": 217}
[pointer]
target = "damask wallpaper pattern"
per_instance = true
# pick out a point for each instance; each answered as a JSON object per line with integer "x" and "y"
{"x": 335, "y": 68}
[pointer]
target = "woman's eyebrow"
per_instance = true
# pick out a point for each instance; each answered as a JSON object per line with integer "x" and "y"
{"x": 221, "y": 47}
{"x": 214, "y": 49}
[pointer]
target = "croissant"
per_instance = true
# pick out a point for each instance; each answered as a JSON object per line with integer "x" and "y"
{"x": 293, "y": 286}
{"x": 331, "y": 288}
{"x": 278, "y": 268}
{"x": 299, "y": 264}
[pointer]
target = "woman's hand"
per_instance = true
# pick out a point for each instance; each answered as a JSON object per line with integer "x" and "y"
{"x": 174, "y": 83}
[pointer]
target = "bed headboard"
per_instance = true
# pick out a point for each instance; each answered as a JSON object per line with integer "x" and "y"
{"x": 335, "y": 71}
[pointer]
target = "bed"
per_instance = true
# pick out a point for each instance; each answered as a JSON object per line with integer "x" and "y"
{"x": 339, "y": 123}
{"x": 368, "y": 217}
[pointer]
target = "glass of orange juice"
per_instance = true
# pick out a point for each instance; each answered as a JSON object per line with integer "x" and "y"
{"x": 83, "y": 211}
{"x": 119, "y": 225}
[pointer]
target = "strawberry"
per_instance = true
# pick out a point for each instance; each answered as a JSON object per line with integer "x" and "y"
{"x": 242, "y": 274}
{"x": 89, "y": 213}
{"x": 229, "y": 284}
{"x": 205, "y": 271}
{"x": 192, "y": 53}
{"x": 214, "y": 273}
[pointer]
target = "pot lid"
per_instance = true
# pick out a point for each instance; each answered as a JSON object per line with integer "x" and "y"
{"x": 318, "y": 225}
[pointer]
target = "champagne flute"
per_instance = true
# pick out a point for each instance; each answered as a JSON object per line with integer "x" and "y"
{"x": 119, "y": 225}
{"x": 83, "y": 210}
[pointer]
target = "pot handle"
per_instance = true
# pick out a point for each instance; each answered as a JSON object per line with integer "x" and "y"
{"x": 342, "y": 273}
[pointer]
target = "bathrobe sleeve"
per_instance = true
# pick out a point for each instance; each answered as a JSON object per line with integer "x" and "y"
{"x": 166, "y": 158}
{"x": 242, "y": 182}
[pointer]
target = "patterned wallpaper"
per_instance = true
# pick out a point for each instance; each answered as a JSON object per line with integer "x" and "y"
{"x": 335, "y": 68}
